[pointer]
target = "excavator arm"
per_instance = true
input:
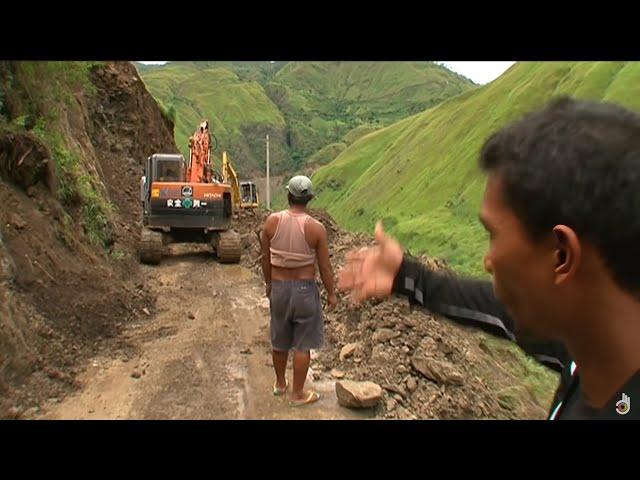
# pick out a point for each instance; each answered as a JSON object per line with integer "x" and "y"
{"x": 229, "y": 176}
{"x": 199, "y": 153}
{"x": 199, "y": 169}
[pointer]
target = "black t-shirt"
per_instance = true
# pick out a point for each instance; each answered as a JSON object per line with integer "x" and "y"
{"x": 578, "y": 409}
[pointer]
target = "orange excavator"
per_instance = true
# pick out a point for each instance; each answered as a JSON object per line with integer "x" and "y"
{"x": 187, "y": 202}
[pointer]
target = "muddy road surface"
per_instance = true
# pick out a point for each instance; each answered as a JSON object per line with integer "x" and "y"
{"x": 203, "y": 353}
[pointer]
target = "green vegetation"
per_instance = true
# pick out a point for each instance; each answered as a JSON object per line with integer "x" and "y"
{"x": 78, "y": 186}
{"x": 303, "y": 106}
{"x": 239, "y": 112}
{"x": 420, "y": 174}
{"x": 326, "y": 154}
{"x": 539, "y": 381}
{"x": 40, "y": 92}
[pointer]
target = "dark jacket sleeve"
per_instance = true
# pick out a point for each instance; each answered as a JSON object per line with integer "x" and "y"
{"x": 470, "y": 302}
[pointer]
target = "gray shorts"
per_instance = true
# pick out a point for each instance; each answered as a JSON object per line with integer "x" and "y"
{"x": 296, "y": 315}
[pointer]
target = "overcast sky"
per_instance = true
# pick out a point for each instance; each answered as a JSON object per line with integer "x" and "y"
{"x": 479, "y": 72}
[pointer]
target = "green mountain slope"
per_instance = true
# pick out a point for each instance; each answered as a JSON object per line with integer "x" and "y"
{"x": 323, "y": 101}
{"x": 303, "y": 106}
{"x": 239, "y": 112}
{"x": 420, "y": 174}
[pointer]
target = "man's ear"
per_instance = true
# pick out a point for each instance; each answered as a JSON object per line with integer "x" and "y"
{"x": 567, "y": 253}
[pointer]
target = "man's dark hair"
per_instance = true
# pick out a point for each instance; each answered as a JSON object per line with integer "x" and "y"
{"x": 576, "y": 163}
{"x": 299, "y": 201}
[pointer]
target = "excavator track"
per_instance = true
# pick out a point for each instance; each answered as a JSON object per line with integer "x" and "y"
{"x": 151, "y": 246}
{"x": 228, "y": 247}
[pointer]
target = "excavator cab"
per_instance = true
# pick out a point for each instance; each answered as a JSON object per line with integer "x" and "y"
{"x": 160, "y": 167}
{"x": 249, "y": 194}
{"x": 167, "y": 168}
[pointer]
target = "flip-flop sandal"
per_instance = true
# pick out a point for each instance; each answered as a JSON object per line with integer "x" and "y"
{"x": 278, "y": 391}
{"x": 311, "y": 398}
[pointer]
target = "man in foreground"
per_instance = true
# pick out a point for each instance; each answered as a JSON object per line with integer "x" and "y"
{"x": 292, "y": 242}
{"x": 562, "y": 209}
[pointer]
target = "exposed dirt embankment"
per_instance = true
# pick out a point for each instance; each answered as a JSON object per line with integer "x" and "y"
{"x": 73, "y": 138}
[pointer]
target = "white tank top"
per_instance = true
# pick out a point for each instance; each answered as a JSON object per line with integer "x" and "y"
{"x": 289, "y": 247}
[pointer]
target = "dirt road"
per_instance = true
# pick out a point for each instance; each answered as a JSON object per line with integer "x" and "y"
{"x": 204, "y": 353}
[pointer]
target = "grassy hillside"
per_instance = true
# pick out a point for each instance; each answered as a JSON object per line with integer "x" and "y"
{"x": 323, "y": 101}
{"x": 420, "y": 175}
{"x": 358, "y": 132}
{"x": 326, "y": 154}
{"x": 239, "y": 112}
{"x": 304, "y": 106}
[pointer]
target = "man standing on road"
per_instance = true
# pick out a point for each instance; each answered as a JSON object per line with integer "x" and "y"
{"x": 292, "y": 241}
{"x": 562, "y": 208}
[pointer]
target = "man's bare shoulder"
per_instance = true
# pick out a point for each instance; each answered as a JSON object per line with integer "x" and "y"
{"x": 271, "y": 222}
{"x": 316, "y": 223}
{"x": 273, "y": 217}
{"x": 316, "y": 228}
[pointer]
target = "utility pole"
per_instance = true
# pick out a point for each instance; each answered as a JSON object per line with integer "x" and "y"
{"x": 268, "y": 183}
